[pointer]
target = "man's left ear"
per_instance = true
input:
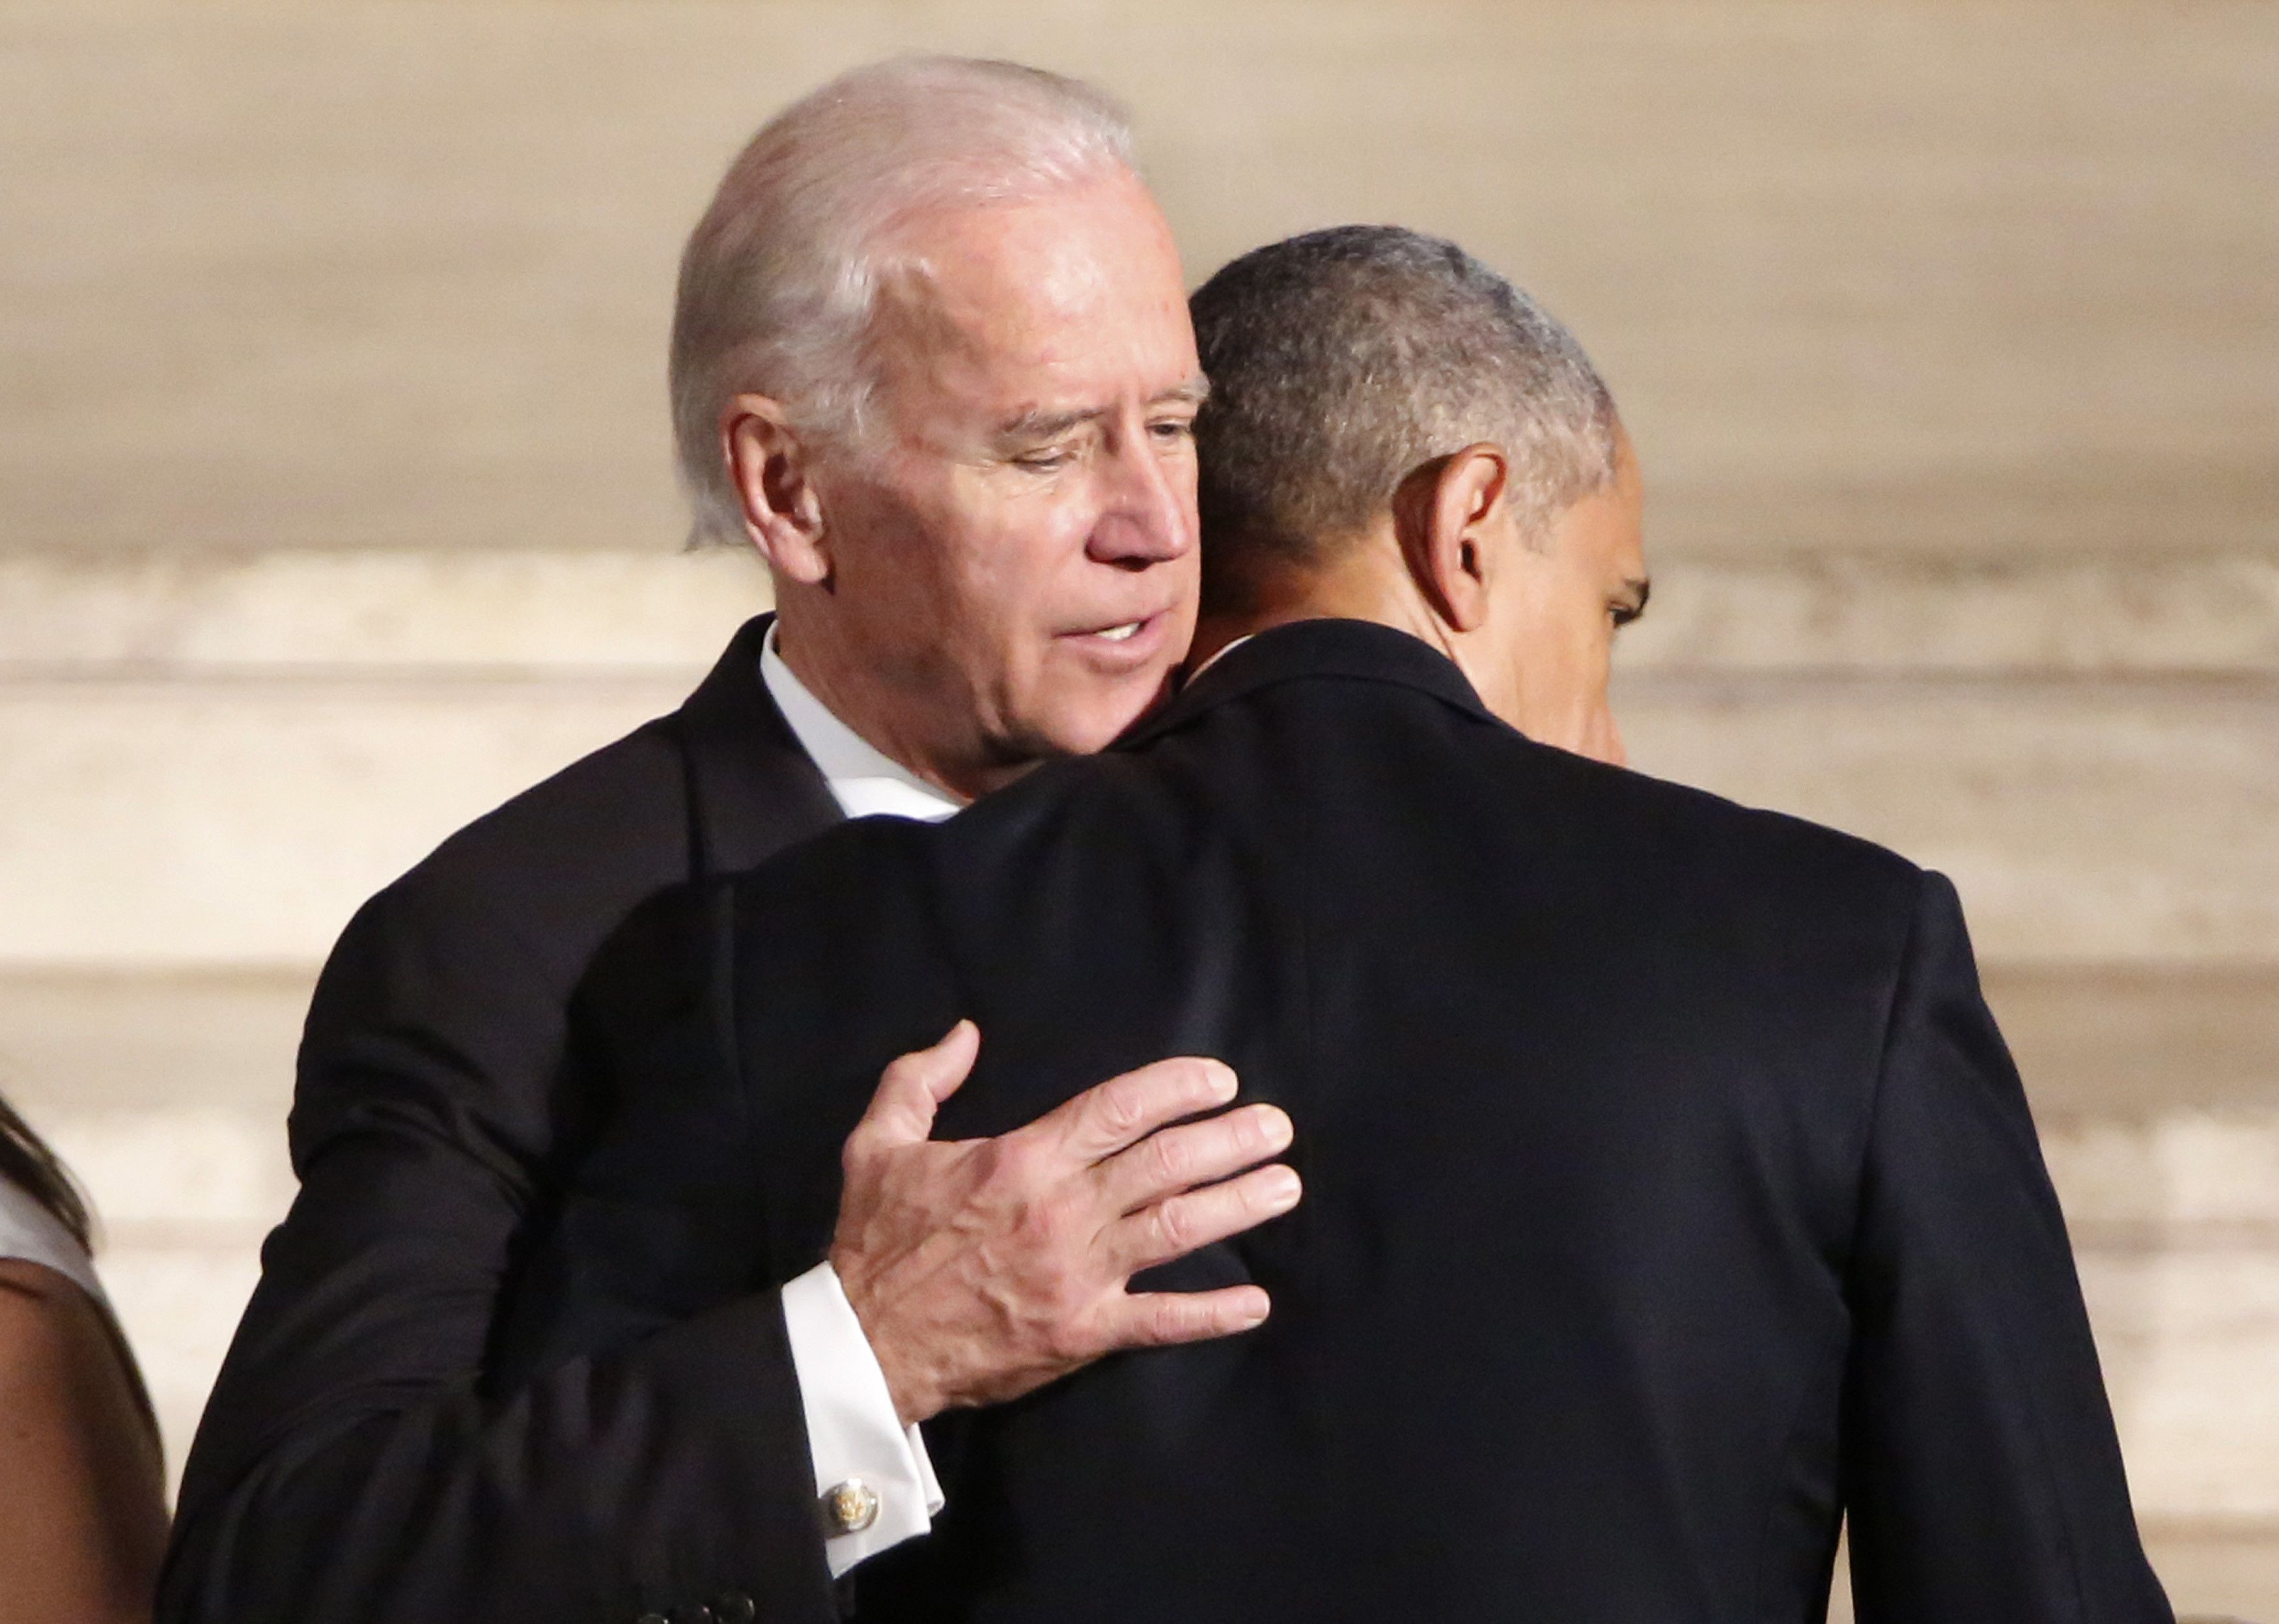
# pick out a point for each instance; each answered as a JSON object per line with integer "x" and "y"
{"x": 1448, "y": 515}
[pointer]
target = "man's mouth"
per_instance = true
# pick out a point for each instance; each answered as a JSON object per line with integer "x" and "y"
{"x": 1120, "y": 631}
{"x": 1126, "y": 644}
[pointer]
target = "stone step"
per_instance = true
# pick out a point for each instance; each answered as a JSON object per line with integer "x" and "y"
{"x": 155, "y": 613}
{"x": 2085, "y": 821}
{"x": 211, "y": 758}
{"x": 386, "y": 274}
{"x": 235, "y": 823}
{"x": 160, "y": 613}
{"x": 233, "y": 818}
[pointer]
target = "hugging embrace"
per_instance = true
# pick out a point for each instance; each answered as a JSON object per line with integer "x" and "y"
{"x": 1134, "y": 1052}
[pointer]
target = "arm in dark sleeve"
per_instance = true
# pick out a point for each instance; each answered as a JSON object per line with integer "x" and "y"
{"x": 1982, "y": 1477}
{"x": 351, "y": 1468}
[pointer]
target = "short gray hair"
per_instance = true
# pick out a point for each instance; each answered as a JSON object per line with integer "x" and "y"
{"x": 780, "y": 277}
{"x": 1340, "y": 361}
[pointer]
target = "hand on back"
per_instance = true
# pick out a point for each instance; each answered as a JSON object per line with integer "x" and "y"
{"x": 983, "y": 1268}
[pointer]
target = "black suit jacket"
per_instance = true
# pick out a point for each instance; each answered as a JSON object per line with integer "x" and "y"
{"x": 351, "y": 1465}
{"x": 1669, "y": 1191}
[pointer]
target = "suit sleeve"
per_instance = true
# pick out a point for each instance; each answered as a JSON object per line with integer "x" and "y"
{"x": 1984, "y": 1479}
{"x": 350, "y": 1467}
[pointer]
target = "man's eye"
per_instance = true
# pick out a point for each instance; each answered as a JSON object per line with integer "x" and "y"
{"x": 1623, "y": 614}
{"x": 1047, "y": 461}
{"x": 1172, "y": 430}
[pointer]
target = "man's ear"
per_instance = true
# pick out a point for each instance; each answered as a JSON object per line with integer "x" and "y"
{"x": 1447, "y": 514}
{"x": 773, "y": 469}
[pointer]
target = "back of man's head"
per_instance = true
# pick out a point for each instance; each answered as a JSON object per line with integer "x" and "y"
{"x": 780, "y": 279}
{"x": 1340, "y": 362}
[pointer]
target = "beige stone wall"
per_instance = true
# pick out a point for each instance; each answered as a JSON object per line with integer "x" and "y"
{"x": 334, "y": 505}
{"x": 1919, "y": 278}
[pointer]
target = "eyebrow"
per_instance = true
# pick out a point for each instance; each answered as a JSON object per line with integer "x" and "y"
{"x": 1034, "y": 425}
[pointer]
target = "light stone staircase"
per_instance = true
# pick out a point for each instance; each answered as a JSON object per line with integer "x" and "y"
{"x": 334, "y": 509}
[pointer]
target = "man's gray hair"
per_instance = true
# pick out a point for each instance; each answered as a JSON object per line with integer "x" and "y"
{"x": 780, "y": 277}
{"x": 1340, "y": 361}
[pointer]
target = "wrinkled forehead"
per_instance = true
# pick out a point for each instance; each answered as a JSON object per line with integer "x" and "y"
{"x": 1082, "y": 284}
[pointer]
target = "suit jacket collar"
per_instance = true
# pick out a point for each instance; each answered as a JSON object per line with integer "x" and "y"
{"x": 752, "y": 790}
{"x": 1353, "y": 649}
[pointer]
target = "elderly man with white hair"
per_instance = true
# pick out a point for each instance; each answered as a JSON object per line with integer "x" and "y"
{"x": 981, "y": 559}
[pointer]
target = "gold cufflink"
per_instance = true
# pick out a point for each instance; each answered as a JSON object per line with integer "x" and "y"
{"x": 850, "y": 1507}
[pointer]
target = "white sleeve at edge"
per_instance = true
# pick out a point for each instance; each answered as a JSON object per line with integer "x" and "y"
{"x": 852, "y": 1430}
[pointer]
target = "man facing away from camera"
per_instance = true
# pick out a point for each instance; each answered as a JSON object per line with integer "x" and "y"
{"x": 977, "y": 563}
{"x": 1670, "y": 1195}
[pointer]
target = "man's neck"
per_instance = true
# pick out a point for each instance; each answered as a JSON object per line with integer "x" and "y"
{"x": 1358, "y": 586}
{"x": 850, "y": 699}
{"x": 862, "y": 778}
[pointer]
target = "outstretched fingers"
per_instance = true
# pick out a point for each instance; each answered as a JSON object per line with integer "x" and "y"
{"x": 981, "y": 1269}
{"x": 1164, "y": 1318}
{"x": 1179, "y": 1224}
{"x": 1193, "y": 1153}
{"x": 1109, "y": 1116}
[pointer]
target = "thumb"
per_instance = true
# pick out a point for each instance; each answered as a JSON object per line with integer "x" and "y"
{"x": 913, "y": 1087}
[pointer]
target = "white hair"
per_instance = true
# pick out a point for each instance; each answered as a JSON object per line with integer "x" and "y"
{"x": 780, "y": 277}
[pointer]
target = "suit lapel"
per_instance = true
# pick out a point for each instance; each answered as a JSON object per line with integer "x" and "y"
{"x": 752, "y": 790}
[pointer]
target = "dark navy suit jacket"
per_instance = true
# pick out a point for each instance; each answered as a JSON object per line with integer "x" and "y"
{"x": 355, "y": 1465}
{"x": 1669, "y": 1193}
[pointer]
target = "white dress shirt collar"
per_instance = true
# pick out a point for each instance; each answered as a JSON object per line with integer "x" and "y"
{"x": 1220, "y": 655}
{"x": 865, "y": 780}
{"x": 853, "y": 1434}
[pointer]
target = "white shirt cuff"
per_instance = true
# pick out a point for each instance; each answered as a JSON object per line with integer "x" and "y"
{"x": 852, "y": 1430}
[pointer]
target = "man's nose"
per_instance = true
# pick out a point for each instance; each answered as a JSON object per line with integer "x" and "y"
{"x": 1147, "y": 514}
